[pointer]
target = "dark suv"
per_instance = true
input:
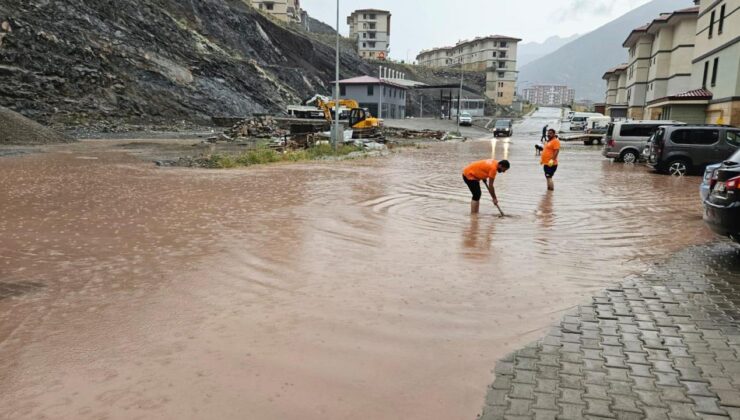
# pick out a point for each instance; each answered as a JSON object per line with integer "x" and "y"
{"x": 722, "y": 207}
{"x": 679, "y": 149}
{"x": 503, "y": 128}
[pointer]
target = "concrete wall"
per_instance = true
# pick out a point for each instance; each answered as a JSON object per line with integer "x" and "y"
{"x": 670, "y": 67}
{"x": 690, "y": 114}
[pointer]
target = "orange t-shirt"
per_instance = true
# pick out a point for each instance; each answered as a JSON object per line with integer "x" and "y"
{"x": 481, "y": 169}
{"x": 549, "y": 151}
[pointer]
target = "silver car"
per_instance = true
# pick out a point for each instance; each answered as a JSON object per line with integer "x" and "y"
{"x": 626, "y": 140}
{"x": 708, "y": 182}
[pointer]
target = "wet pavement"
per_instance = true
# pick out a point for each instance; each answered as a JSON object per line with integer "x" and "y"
{"x": 664, "y": 344}
{"x": 312, "y": 291}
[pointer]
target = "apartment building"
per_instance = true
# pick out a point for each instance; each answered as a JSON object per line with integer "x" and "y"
{"x": 283, "y": 10}
{"x": 616, "y": 91}
{"x": 639, "y": 44}
{"x": 495, "y": 54}
{"x": 549, "y": 95}
{"x": 716, "y": 63}
{"x": 693, "y": 72}
{"x": 371, "y": 29}
{"x": 670, "y": 61}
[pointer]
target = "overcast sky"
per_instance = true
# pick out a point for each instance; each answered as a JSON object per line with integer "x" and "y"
{"x": 422, "y": 24}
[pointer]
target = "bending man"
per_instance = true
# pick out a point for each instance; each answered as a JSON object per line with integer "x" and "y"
{"x": 486, "y": 171}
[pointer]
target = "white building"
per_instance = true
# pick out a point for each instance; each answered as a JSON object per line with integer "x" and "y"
{"x": 371, "y": 29}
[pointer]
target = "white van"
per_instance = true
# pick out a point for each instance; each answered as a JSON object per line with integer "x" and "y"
{"x": 597, "y": 122}
{"x": 578, "y": 122}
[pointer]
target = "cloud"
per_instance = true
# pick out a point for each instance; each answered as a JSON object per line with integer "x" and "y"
{"x": 586, "y": 8}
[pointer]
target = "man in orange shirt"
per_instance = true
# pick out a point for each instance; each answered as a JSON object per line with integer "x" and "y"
{"x": 486, "y": 171}
{"x": 549, "y": 158}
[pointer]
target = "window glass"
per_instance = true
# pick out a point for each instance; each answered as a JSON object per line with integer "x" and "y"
{"x": 370, "y": 90}
{"x": 695, "y": 136}
{"x": 733, "y": 138}
{"x": 637, "y": 130}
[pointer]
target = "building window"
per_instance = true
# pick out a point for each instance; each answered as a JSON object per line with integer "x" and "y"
{"x": 364, "y": 45}
{"x": 714, "y": 71}
{"x": 706, "y": 72}
{"x": 711, "y": 23}
{"x": 343, "y": 90}
{"x": 501, "y": 74}
{"x": 269, "y": 6}
{"x": 372, "y": 26}
{"x": 501, "y": 64}
{"x": 503, "y": 44}
{"x": 494, "y": 54}
{"x": 372, "y": 16}
{"x": 370, "y": 90}
{"x": 721, "y": 25}
{"x": 372, "y": 35}
{"x": 364, "y": 16}
{"x": 371, "y": 44}
{"x": 501, "y": 94}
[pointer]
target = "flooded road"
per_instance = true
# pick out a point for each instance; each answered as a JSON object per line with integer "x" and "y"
{"x": 305, "y": 291}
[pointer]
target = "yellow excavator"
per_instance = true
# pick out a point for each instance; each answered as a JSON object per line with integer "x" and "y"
{"x": 364, "y": 125}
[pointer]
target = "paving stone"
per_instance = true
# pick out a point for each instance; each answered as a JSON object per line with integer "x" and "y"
{"x": 663, "y": 345}
{"x": 700, "y": 389}
{"x": 707, "y": 405}
{"x": 546, "y": 401}
{"x": 598, "y": 408}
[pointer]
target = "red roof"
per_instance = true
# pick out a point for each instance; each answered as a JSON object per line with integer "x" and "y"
{"x": 691, "y": 95}
{"x": 695, "y": 94}
{"x": 368, "y": 80}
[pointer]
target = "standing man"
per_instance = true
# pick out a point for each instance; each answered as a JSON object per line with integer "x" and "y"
{"x": 544, "y": 134}
{"x": 486, "y": 171}
{"x": 549, "y": 158}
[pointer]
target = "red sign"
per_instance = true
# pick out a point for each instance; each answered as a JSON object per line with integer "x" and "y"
{"x": 381, "y": 55}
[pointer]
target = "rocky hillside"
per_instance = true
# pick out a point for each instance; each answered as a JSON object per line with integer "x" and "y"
{"x": 77, "y": 61}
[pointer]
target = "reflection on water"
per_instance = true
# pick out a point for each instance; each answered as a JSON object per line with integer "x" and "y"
{"x": 477, "y": 240}
{"x": 307, "y": 291}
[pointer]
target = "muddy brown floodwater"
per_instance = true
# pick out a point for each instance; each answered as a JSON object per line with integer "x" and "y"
{"x": 309, "y": 291}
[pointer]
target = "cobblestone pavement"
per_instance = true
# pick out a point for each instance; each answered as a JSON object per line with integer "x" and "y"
{"x": 661, "y": 345}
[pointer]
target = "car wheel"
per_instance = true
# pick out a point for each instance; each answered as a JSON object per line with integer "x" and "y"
{"x": 629, "y": 156}
{"x": 677, "y": 167}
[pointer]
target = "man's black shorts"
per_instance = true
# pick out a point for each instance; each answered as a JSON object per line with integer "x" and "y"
{"x": 474, "y": 188}
{"x": 550, "y": 170}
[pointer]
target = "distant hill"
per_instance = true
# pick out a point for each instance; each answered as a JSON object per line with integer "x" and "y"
{"x": 530, "y": 51}
{"x": 581, "y": 63}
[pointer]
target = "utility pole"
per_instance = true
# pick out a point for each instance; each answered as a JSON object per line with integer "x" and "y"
{"x": 421, "y": 106}
{"x": 380, "y": 93}
{"x": 337, "y": 132}
{"x": 459, "y": 99}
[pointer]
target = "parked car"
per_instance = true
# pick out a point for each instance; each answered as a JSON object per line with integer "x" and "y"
{"x": 625, "y": 140}
{"x": 466, "y": 119}
{"x": 708, "y": 181}
{"x": 722, "y": 207}
{"x": 678, "y": 150}
{"x": 503, "y": 128}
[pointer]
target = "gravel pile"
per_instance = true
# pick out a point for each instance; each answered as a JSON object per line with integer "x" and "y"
{"x": 17, "y": 129}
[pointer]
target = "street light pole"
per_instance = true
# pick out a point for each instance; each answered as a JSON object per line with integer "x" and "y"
{"x": 459, "y": 99}
{"x": 335, "y": 138}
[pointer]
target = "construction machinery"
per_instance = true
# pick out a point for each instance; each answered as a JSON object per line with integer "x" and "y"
{"x": 363, "y": 125}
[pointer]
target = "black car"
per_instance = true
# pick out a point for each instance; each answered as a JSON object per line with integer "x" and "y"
{"x": 679, "y": 149}
{"x": 503, "y": 128}
{"x": 722, "y": 207}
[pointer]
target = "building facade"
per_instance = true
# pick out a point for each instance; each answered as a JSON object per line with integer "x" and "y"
{"x": 495, "y": 54}
{"x": 616, "y": 92}
{"x": 670, "y": 66}
{"x": 283, "y": 10}
{"x": 373, "y": 93}
{"x": 716, "y": 63}
{"x": 549, "y": 95}
{"x": 371, "y": 29}
{"x": 693, "y": 72}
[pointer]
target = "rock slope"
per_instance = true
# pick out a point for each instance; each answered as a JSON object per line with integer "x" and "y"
{"x": 76, "y": 61}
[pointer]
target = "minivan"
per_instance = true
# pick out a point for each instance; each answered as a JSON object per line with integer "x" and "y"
{"x": 679, "y": 149}
{"x": 625, "y": 140}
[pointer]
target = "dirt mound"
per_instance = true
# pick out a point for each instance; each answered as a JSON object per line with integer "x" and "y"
{"x": 258, "y": 127}
{"x": 17, "y": 129}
